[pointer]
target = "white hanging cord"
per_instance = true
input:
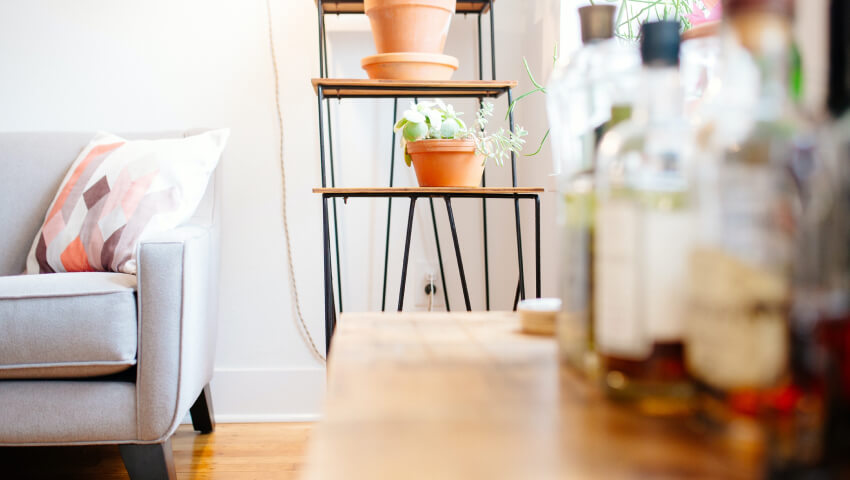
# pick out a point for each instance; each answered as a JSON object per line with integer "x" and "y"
{"x": 305, "y": 332}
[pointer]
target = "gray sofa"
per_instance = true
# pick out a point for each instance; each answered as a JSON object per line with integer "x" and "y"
{"x": 102, "y": 358}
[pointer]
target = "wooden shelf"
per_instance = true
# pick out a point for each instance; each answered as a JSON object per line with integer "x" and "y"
{"x": 356, "y": 6}
{"x": 469, "y": 192}
{"x": 366, "y": 88}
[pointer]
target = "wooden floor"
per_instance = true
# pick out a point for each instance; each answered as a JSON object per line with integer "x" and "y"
{"x": 249, "y": 451}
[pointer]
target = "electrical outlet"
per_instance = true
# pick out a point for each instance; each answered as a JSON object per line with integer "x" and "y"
{"x": 423, "y": 275}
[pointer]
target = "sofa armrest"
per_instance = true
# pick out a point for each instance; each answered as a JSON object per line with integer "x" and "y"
{"x": 177, "y": 301}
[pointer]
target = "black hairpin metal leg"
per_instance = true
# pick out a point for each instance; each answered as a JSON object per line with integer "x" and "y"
{"x": 537, "y": 244}
{"x": 324, "y": 58}
{"x": 516, "y": 205}
{"x": 493, "y": 42}
{"x": 336, "y": 215}
{"x": 480, "y": 53}
{"x": 516, "y": 296}
{"x": 320, "y": 93}
{"x": 321, "y": 38}
{"x": 439, "y": 255}
{"x": 389, "y": 211}
{"x": 406, "y": 253}
{"x": 330, "y": 311}
{"x": 486, "y": 247}
{"x": 325, "y": 70}
{"x": 457, "y": 254}
{"x": 483, "y": 181}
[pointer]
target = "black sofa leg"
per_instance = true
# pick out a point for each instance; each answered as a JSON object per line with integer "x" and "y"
{"x": 149, "y": 461}
{"x": 203, "y": 419}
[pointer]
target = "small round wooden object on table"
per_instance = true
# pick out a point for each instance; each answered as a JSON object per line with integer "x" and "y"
{"x": 537, "y": 315}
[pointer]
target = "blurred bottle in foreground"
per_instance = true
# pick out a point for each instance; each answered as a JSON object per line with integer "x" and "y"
{"x": 587, "y": 95}
{"x": 820, "y": 328}
{"x": 753, "y": 169}
{"x": 643, "y": 237}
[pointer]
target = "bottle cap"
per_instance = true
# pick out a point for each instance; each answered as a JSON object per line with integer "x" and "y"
{"x": 735, "y": 7}
{"x": 659, "y": 45}
{"x": 597, "y": 22}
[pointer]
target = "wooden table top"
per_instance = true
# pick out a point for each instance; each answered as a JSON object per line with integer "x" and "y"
{"x": 466, "y": 396}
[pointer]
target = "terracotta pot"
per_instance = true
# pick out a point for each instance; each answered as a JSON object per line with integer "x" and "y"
{"x": 446, "y": 163}
{"x": 410, "y": 66}
{"x": 410, "y": 25}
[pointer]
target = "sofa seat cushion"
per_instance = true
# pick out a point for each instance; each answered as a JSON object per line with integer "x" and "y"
{"x": 67, "y": 325}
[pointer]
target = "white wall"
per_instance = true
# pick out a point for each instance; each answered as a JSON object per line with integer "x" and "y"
{"x": 161, "y": 65}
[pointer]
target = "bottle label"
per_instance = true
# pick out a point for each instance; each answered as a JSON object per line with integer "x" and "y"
{"x": 666, "y": 248}
{"x": 737, "y": 330}
{"x": 642, "y": 263}
{"x": 619, "y": 331}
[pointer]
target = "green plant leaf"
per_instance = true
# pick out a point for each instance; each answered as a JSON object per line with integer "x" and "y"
{"x": 415, "y": 131}
{"x": 435, "y": 119}
{"x": 517, "y": 99}
{"x": 530, "y": 76}
{"x": 540, "y": 147}
{"x": 449, "y": 129}
{"x": 414, "y": 116}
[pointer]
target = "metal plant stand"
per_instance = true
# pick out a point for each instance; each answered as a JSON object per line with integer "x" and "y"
{"x": 327, "y": 89}
{"x": 413, "y": 194}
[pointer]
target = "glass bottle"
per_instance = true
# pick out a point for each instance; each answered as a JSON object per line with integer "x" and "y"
{"x": 833, "y": 331}
{"x": 820, "y": 315}
{"x": 752, "y": 166}
{"x": 643, "y": 237}
{"x": 811, "y": 433}
{"x": 588, "y": 94}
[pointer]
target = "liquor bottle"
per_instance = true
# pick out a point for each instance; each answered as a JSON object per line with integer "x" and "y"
{"x": 820, "y": 315}
{"x": 834, "y": 329}
{"x": 584, "y": 88}
{"x": 643, "y": 237}
{"x": 588, "y": 94}
{"x": 810, "y": 435}
{"x": 753, "y": 164}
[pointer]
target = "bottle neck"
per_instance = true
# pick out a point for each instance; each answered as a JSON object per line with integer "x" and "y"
{"x": 767, "y": 37}
{"x": 773, "y": 88}
{"x": 663, "y": 99}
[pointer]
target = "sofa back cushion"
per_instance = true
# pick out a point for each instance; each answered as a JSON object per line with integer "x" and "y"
{"x": 32, "y": 167}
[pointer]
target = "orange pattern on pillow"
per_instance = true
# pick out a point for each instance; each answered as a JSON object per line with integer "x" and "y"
{"x": 116, "y": 192}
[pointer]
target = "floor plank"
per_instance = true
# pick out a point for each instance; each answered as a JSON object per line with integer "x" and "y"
{"x": 248, "y": 451}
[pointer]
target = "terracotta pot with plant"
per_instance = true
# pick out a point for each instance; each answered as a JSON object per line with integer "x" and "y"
{"x": 444, "y": 152}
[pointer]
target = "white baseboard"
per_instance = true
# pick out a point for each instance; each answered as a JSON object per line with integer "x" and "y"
{"x": 282, "y": 418}
{"x": 248, "y": 395}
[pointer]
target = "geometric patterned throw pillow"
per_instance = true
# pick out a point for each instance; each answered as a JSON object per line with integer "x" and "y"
{"x": 116, "y": 193}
